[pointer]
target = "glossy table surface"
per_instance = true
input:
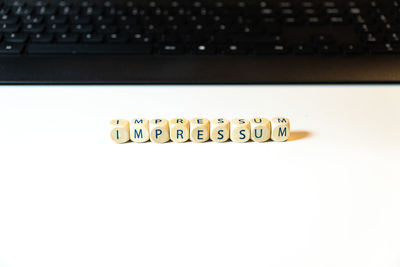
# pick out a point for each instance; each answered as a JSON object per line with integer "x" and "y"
{"x": 330, "y": 196}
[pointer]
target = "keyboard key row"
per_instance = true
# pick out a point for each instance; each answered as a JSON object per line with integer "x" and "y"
{"x": 169, "y": 49}
{"x": 86, "y": 13}
{"x": 249, "y": 40}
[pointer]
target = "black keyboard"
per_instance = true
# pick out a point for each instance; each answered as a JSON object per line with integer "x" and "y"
{"x": 200, "y": 28}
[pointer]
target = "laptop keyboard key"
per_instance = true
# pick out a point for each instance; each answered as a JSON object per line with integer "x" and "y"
{"x": 322, "y": 39}
{"x": 382, "y": 49}
{"x": 32, "y": 19}
{"x": 82, "y": 28}
{"x": 11, "y": 49}
{"x": 59, "y": 19}
{"x": 8, "y": 19}
{"x": 117, "y": 38}
{"x": 235, "y": 49}
{"x": 106, "y": 29}
{"x": 16, "y": 38}
{"x": 203, "y": 49}
{"x": 303, "y": 49}
{"x": 169, "y": 49}
{"x": 352, "y": 49}
{"x": 267, "y": 49}
{"x": 33, "y": 28}
{"x": 80, "y": 19}
{"x": 42, "y": 38}
{"x": 9, "y": 28}
{"x": 328, "y": 49}
{"x": 92, "y": 38}
{"x": 68, "y": 38}
{"x": 58, "y": 28}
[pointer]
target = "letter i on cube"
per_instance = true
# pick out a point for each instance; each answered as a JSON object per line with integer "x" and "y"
{"x": 199, "y": 130}
{"x": 179, "y": 130}
{"x": 220, "y": 130}
{"x": 140, "y": 130}
{"x": 260, "y": 129}
{"x": 240, "y": 130}
{"x": 120, "y": 131}
{"x": 159, "y": 131}
{"x": 280, "y": 129}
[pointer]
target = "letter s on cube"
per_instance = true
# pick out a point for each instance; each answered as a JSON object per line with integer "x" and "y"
{"x": 260, "y": 129}
{"x": 280, "y": 129}
{"x": 120, "y": 131}
{"x": 199, "y": 130}
{"x": 220, "y": 130}
{"x": 140, "y": 130}
{"x": 159, "y": 130}
{"x": 179, "y": 130}
{"x": 240, "y": 130}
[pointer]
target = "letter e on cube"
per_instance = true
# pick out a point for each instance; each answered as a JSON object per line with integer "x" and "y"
{"x": 199, "y": 130}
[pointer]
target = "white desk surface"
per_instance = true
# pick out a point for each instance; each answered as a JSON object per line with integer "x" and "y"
{"x": 329, "y": 197}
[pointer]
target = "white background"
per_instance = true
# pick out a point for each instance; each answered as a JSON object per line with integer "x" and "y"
{"x": 328, "y": 197}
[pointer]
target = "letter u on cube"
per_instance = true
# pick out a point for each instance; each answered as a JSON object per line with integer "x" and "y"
{"x": 260, "y": 129}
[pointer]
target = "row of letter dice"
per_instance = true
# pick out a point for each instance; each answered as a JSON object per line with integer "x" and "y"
{"x": 200, "y": 130}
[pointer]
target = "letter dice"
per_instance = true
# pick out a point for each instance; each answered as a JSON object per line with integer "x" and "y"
{"x": 240, "y": 130}
{"x": 179, "y": 130}
{"x": 260, "y": 129}
{"x": 120, "y": 131}
{"x": 280, "y": 129}
{"x": 140, "y": 130}
{"x": 199, "y": 130}
{"x": 159, "y": 131}
{"x": 220, "y": 130}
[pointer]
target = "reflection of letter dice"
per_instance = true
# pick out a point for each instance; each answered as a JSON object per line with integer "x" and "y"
{"x": 240, "y": 130}
{"x": 199, "y": 130}
{"x": 179, "y": 130}
{"x": 120, "y": 131}
{"x": 219, "y": 131}
{"x": 260, "y": 129}
{"x": 159, "y": 131}
{"x": 280, "y": 129}
{"x": 140, "y": 130}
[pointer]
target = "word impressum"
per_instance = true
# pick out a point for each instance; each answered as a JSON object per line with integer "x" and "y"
{"x": 200, "y": 130}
